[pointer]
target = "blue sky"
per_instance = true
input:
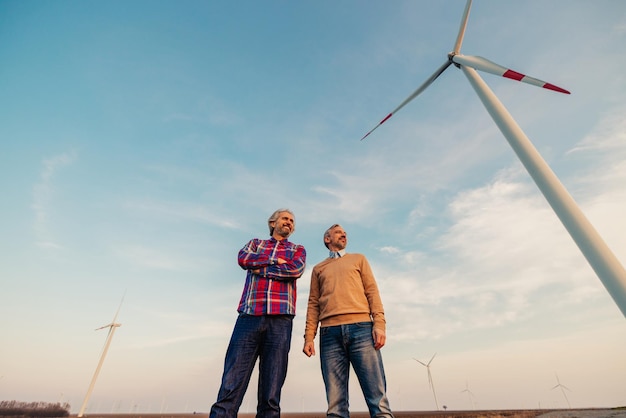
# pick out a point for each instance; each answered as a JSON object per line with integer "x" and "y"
{"x": 145, "y": 142}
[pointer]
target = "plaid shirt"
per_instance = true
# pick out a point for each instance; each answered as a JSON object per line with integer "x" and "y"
{"x": 273, "y": 290}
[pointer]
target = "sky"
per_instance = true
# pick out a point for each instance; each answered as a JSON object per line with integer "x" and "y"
{"x": 145, "y": 142}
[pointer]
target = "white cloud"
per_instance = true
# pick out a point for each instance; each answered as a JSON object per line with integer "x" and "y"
{"x": 193, "y": 212}
{"x": 43, "y": 194}
{"x": 158, "y": 259}
{"x": 504, "y": 253}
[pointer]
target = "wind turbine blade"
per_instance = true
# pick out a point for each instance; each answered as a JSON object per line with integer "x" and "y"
{"x": 431, "y": 359}
{"x": 459, "y": 38}
{"x": 483, "y": 64}
{"x": 420, "y": 89}
{"x": 119, "y": 307}
{"x": 423, "y": 364}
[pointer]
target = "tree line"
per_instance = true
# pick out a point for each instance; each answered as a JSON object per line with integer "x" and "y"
{"x": 34, "y": 409}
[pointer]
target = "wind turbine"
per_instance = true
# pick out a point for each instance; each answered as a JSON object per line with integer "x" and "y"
{"x": 430, "y": 377}
{"x": 559, "y": 385}
{"x": 470, "y": 395}
{"x": 112, "y": 326}
{"x": 606, "y": 266}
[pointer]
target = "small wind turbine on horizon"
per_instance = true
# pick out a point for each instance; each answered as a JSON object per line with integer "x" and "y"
{"x": 112, "y": 326}
{"x": 430, "y": 377}
{"x": 470, "y": 395}
{"x": 559, "y": 385}
{"x": 606, "y": 266}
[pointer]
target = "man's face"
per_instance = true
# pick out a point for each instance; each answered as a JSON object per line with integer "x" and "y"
{"x": 337, "y": 240}
{"x": 284, "y": 225}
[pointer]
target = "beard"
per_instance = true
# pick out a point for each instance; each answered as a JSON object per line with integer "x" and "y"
{"x": 283, "y": 231}
{"x": 340, "y": 245}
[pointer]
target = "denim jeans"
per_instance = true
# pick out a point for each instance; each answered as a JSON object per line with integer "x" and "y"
{"x": 340, "y": 346}
{"x": 267, "y": 338}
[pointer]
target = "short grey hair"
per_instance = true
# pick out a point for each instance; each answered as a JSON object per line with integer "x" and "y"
{"x": 327, "y": 233}
{"x": 274, "y": 218}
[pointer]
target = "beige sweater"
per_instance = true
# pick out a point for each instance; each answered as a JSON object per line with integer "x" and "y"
{"x": 343, "y": 291}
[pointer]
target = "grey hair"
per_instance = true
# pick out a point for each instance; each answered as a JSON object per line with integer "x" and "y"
{"x": 327, "y": 233}
{"x": 274, "y": 218}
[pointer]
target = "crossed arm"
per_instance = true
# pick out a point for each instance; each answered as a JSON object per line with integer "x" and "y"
{"x": 288, "y": 265}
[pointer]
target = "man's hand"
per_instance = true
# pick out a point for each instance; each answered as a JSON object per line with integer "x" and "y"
{"x": 379, "y": 338}
{"x": 309, "y": 348}
{"x": 279, "y": 261}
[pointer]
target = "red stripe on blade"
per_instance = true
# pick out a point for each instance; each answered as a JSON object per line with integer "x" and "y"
{"x": 555, "y": 88}
{"x": 513, "y": 74}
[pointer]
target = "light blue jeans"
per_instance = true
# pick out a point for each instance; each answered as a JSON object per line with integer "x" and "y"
{"x": 340, "y": 346}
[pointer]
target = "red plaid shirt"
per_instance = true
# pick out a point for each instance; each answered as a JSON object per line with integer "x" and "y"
{"x": 273, "y": 290}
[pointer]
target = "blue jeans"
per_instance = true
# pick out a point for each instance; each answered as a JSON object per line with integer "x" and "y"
{"x": 340, "y": 346}
{"x": 267, "y": 338}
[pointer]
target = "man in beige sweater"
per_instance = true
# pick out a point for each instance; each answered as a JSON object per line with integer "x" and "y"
{"x": 345, "y": 301}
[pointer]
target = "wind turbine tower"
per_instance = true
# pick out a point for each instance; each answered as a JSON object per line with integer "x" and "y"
{"x": 430, "y": 378}
{"x": 602, "y": 260}
{"x": 112, "y": 326}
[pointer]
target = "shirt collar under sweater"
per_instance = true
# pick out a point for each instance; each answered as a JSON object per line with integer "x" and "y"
{"x": 337, "y": 254}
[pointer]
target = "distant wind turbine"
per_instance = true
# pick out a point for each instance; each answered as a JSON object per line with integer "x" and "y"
{"x": 559, "y": 385}
{"x": 112, "y": 326}
{"x": 430, "y": 377}
{"x": 607, "y": 267}
{"x": 470, "y": 395}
